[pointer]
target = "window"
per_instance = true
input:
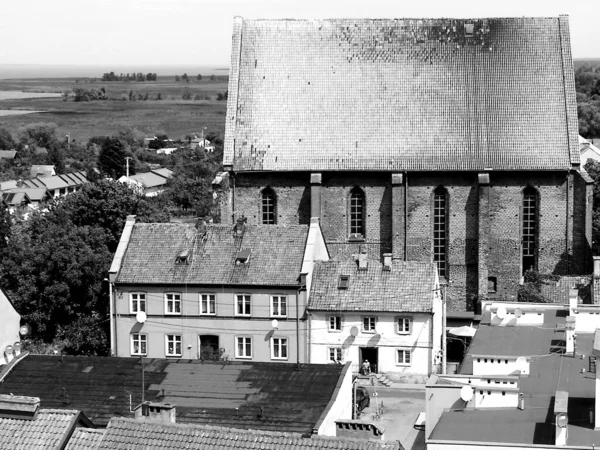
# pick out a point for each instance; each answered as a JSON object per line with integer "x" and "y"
{"x": 369, "y": 324}
{"x": 404, "y": 325}
{"x": 208, "y": 304}
{"x": 403, "y": 357}
{"x": 137, "y": 302}
{"x": 279, "y": 348}
{"x": 173, "y": 342}
{"x": 335, "y": 354}
{"x": 529, "y": 226}
{"x": 268, "y": 206}
{"x": 243, "y": 348}
{"x": 243, "y": 305}
{"x": 344, "y": 281}
{"x": 278, "y": 306}
{"x": 139, "y": 344}
{"x": 335, "y": 323}
{"x": 172, "y": 303}
{"x": 440, "y": 231}
{"x": 357, "y": 213}
{"x": 492, "y": 284}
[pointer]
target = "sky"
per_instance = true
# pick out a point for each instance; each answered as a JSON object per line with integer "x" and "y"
{"x": 165, "y": 32}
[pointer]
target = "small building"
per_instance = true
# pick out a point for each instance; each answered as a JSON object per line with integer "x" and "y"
{"x": 16, "y": 202}
{"x": 42, "y": 171}
{"x": 388, "y": 313}
{"x": 204, "y": 143}
{"x": 150, "y": 183}
{"x": 8, "y": 154}
{"x": 9, "y": 328}
{"x": 57, "y": 185}
{"x": 589, "y": 151}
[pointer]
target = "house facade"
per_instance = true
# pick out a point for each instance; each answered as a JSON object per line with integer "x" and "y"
{"x": 10, "y": 321}
{"x": 213, "y": 292}
{"x": 389, "y": 314}
{"x": 453, "y": 170}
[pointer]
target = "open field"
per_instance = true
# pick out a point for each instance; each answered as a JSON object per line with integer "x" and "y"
{"x": 172, "y": 116}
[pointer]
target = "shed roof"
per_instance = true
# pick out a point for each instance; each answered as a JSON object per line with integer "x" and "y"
{"x": 276, "y": 254}
{"x": 428, "y": 94}
{"x": 407, "y": 287}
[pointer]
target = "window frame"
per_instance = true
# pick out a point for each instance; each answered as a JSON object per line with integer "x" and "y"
{"x": 214, "y": 303}
{"x": 357, "y": 206}
{"x": 339, "y": 323}
{"x": 405, "y": 351}
{"x": 370, "y": 318}
{"x": 283, "y": 344}
{"x": 140, "y": 342}
{"x": 137, "y": 301}
{"x": 175, "y": 342}
{"x": 249, "y": 304}
{"x": 337, "y": 350}
{"x": 530, "y": 201}
{"x": 236, "y": 344}
{"x": 175, "y": 301}
{"x": 440, "y": 258}
{"x": 410, "y": 325}
{"x": 268, "y": 206}
{"x": 285, "y": 303}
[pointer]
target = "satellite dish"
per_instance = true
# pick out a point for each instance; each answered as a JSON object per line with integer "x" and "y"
{"x": 274, "y": 323}
{"x": 518, "y": 313}
{"x": 501, "y": 312}
{"x": 562, "y": 420}
{"x": 8, "y": 350}
{"x": 521, "y": 363}
{"x": 140, "y": 317}
{"x": 354, "y": 331}
{"x": 466, "y": 393}
{"x": 17, "y": 347}
{"x": 24, "y": 330}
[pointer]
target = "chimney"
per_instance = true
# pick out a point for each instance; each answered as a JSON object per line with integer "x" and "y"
{"x": 387, "y": 261}
{"x": 19, "y": 407}
{"x": 20, "y": 184}
{"x": 155, "y": 412}
{"x": 596, "y": 266}
{"x": 570, "y": 335}
{"x": 240, "y": 226}
{"x": 362, "y": 258}
{"x": 573, "y": 295}
{"x": 561, "y": 402}
{"x": 201, "y": 226}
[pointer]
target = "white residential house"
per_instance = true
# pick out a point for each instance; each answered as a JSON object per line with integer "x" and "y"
{"x": 9, "y": 329}
{"x": 588, "y": 151}
{"x": 388, "y": 313}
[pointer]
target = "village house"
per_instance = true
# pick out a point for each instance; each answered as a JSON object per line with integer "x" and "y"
{"x": 213, "y": 292}
{"x": 388, "y": 314}
{"x": 589, "y": 151}
{"x": 9, "y": 330}
{"x": 150, "y": 183}
{"x": 416, "y": 137}
{"x": 56, "y": 185}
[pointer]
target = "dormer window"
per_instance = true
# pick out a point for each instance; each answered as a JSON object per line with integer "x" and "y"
{"x": 344, "y": 281}
{"x": 183, "y": 257}
{"x": 243, "y": 256}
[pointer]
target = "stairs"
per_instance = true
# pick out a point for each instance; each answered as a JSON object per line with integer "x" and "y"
{"x": 382, "y": 379}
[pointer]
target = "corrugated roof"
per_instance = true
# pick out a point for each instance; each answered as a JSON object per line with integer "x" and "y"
{"x": 401, "y": 94}
{"x": 276, "y": 255}
{"x": 149, "y": 179}
{"x": 85, "y": 439}
{"x": 407, "y": 287}
{"x": 129, "y": 434}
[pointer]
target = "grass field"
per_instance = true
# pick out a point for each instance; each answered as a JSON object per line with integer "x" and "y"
{"x": 172, "y": 116}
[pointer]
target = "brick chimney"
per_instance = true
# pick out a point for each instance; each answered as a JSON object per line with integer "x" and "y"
{"x": 387, "y": 261}
{"x": 19, "y": 407}
{"x": 155, "y": 412}
{"x": 362, "y": 258}
{"x": 240, "y": 226}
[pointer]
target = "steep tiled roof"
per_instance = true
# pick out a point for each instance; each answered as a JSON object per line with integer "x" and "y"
{"x": 404, "y": 94}
{"x": 85, "y": 439}
{"x": 263, "y": 396}
{"x": 129, "y": 434}
{"x": 407, "y": 287}
{"x": 49, "y": 430}
{"x": 558, "y": 291}
{"x": 276, "y": 254}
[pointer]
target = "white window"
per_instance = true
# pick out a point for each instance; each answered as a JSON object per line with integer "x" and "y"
{"x": 369, "y": 324}
{"x": 279, "y": 348}
{"x": 335, "y": 323}
{"x": 137, "y": 302}
{"x": 139, "y": 344}
{"x": 335, "y": 354}
{"x": 172, "y": 303}
{"x": 208, "y": 304}
{"x": 173, "y": 344}
{"x": 403, "y": 357}
{"x": 242, "y": 305}
{"x": 278, "y": 306}
{"x": 404, "y": 325}
{"x": 243, "y": 348}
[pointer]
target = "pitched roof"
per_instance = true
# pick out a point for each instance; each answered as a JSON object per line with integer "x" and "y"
{"x": 407, "y": 287}
{"x": 163, "y": 172}
{"x": 130, "y": 434}
{"x": 230, "y": 393}
{"x": 35, "y": 194}
{"x": 276, "y": 254}
{"x": 47, "y": 431}
{"x": 8, "y": 154}
{"x": 42, "y": 170}
{"x": 85, "y": 439}
{"x": 428, "y": 95}
{"x": 149, "y": 179}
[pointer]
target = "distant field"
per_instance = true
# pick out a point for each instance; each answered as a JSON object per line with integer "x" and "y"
{"x": 16, "y": 112}
{"x": 173, "y": 116}
{"x": 19, "y": 95}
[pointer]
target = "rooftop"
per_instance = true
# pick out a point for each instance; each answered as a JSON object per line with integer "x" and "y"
{"x": 263, "y": 396}
{"x": 406, "y": 287}
{"x": 85, "y": 439}
{"x": 434, "y": 94}
{"x": 276, "y": 254}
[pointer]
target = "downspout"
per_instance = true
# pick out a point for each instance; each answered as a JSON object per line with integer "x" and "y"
{"x": 309, "y": 315}
{"x": 405, "y": 216}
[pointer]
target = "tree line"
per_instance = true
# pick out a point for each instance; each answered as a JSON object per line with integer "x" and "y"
{"x": 111, "y": 76}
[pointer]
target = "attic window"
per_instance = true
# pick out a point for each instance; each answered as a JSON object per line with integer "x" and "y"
{"x": 243, "y": 256}
{"x": 183, "y": 257}
{"x": 469, "y": 29}
{"x": 344, "y": 280}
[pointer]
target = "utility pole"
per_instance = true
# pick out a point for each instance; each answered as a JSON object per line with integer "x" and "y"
{"x": 68, "y": 141}
{"x": 127, "y": 158}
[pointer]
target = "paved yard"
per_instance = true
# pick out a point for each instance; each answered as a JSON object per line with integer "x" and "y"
{"x": 400, "y": 409}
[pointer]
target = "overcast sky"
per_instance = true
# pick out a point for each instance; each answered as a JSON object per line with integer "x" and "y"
{"x": 138, "y": 32}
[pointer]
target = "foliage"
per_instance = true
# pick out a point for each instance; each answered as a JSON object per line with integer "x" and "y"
{"x": 128, "y": 77}
{"x": 112, "y": 160}
{"x": 222, "y": 95}
{"x": 187, "y": 95}
{"x": 587, "y": 85}
{"x": 39, "y": 134}
{"x": 531, "y": 289}
{"x": 88, "y": 95}
{"x": 593, "y": 169}
{"x": 161, "y": 141}
{"x": 6, "y": 140}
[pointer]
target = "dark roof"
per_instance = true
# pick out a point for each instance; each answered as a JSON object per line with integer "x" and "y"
{"x": 85, "y": 439}
{"x": 407, "y": 287}
{"x": 34, "y": 194}
{"x": 203, "y": 392}
{"x": 276, "y": 255}
{"x": 427, "y": 96}
{"x": 47, "y": 431}
{"x": 129, "y": 434}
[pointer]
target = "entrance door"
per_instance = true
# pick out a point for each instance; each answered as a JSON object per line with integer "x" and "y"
{"x": 370, "y": 354}
{"x": 208, "y": 345}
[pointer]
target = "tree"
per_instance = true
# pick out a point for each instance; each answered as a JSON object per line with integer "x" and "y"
{"x": 39, "y": 134}
{"x": 6, "y": 140}
{"x": 593, "y": 169}
{"x": 187, "y": 95}
{"x": 112, "y": 158}
{"x": 199, "y": 77}
{"x": 176, "y": 77}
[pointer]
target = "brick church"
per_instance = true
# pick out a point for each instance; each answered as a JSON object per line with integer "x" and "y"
{"x": 446, "y": 140}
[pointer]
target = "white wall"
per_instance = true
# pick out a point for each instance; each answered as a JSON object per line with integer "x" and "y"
{"x": 9, "y": 325}
{"x": 498, "y": 365}
{"x": 339, "y": 407}
{"x": 587, "y": 319}
{"x": 494, "y": 398}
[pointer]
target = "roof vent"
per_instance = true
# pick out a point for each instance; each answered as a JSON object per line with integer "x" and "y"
{"x": 387, "y": 261}
{"x": 362, "y": 258}
{"x": 469, "y": 27}
{"x": 184, "y": 257}
{"x": 344, "y": 281}
{"x": 243, "y": 256}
